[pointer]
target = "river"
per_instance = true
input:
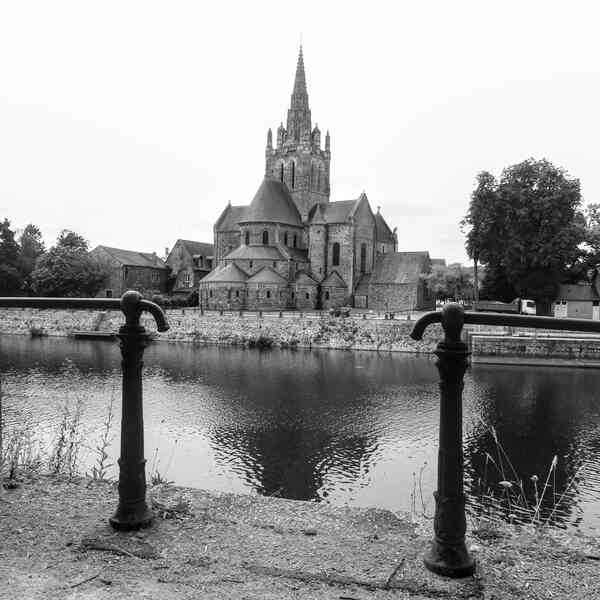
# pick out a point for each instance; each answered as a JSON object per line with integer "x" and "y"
{"x": 356, "y": 428}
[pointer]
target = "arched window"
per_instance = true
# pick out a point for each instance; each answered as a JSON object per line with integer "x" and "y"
{"x": 308, "y": 295}
{"x": 285, "y": 239}
{"x": 281, "y": 172}
{"x": 249, "y": 264}
{"x": 268, "y": 293}
{"x": 295, "y": 241}
{"x": 237, "y": 293}
{"x": 265, "y": 238}
{"x": 326, "y": 295}
{"x": 335, "y": 260}
{"x": 293, "y": 174}
{"x": 247, "y": 238}
{"x": 210, "y": 293}
{"x": 229, "y": 294}
{"x": 363, "y": 258}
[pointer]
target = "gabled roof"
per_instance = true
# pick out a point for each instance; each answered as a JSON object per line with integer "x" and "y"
{"x": 272, "y": 203}
{"x": 229, "y": 273}
{"x": 267, "y": 275}
{"x": 400, "y": 267}
{"x": 303, "y": 278}
{"x": 257, "y": 252}
{"x": 438, "y": 261}
{"x": 333, "y": 280}
{"x": 333, "y": 212}
{"x": 196, "y": 248}
{"x": 382, "y": 232}
{"x": 230, "y": 217}
{"x": 583, "y": 292}
{"x": 131, "y": 258}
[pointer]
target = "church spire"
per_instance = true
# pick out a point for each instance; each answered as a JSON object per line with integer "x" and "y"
{"x": 298, "y": 121}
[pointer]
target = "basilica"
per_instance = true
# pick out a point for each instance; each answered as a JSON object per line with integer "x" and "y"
{"x": 292, "y": 247}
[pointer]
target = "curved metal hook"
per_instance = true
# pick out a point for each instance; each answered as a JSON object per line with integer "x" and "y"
{"x": 132, "y": 306}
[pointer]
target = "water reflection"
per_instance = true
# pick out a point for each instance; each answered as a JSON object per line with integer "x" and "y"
{"x": 348, "y": 427}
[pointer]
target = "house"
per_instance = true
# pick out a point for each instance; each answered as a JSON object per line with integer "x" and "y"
{"x": 189, "y": 261}
{"x": 131, "y": 270}
{"x": 578, "y": 300}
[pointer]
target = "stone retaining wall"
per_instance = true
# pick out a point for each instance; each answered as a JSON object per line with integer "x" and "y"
{"x": 188, "y": 325}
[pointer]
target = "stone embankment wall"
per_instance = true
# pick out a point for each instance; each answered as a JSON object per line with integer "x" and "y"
{"x": 308, "y": 330}
{"x": 188, "y": 325}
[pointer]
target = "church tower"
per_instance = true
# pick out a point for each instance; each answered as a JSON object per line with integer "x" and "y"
{"x": 297, "y": 159}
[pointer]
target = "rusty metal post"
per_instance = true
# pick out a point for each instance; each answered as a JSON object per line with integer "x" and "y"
{"x": 132, "y": 512}
{"x": 448, "y": 554}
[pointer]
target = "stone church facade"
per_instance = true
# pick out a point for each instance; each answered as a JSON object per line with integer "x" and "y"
{"x": 292, "y": 247}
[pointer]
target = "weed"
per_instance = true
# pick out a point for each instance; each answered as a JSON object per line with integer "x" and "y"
{"x": 100, "y": 469}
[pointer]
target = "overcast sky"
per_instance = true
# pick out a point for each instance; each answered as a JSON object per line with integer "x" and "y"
{"x": 133, "y": 123}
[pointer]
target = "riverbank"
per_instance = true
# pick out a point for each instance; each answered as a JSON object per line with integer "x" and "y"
{"x": 489, "y": 344}
{"x": 56, "y": 543}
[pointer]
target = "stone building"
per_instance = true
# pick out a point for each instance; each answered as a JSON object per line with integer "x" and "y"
{"x": 130, "y": 270}
{"x": 292, "y": 247}
{"x": 189, "y": 262}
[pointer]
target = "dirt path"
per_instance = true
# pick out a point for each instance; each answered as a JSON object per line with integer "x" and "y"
{"x": 55, "y": 543}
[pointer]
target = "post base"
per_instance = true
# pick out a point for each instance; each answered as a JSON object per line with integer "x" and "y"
{"x": 449, "y": 560}
{"x": 131, "y": 521}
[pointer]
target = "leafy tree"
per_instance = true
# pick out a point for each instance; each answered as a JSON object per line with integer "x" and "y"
{"x": 527, "y": 228}
{"x": 31, "y": 247}
{"x": 11, "y": 281}
{"x": 67, "y": 270}
{"x": 452, "y": 281}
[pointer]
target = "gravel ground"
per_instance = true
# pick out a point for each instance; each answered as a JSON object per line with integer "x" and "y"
{"x": 55, "y": 543}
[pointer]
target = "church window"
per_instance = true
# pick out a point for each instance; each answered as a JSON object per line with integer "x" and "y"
{"x": 285, "y": 239}
{"x": 268, "y": 293}
{"x": 281, "y": 172}
{"x": 210, "y": 293}
{"x": 229, "y": 294}
{"x": 237, "y": 293}
{"x": 293, "y": 174}
{"x": 295, "y": 241}
{"x": 274, "y": 264}
{"x": 307, "y": 295}
{"x": 249, "y": 264}
{"x": 247, "y": 238}
{"x": 265, "y": 238}
{"x": 293, "y": 295}
{"x": 326, "y": 295}
{"x": 335, "y": 261}
{"x": 363, "y": 258}
{"x": 382, "y": 249}
{"x": 187, "y": 279}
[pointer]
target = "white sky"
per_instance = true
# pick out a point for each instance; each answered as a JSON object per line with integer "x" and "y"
{"x": 133, "y": 123}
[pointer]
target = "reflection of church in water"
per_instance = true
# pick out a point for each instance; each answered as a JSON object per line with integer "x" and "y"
{"x": 292, "y": 247}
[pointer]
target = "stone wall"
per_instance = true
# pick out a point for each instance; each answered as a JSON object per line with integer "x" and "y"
{"x": 544, "y": 346}
{"x": 188, "y": 325}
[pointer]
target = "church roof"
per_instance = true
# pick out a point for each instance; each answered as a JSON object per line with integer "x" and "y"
{"x": 229, "y": 273}
{"x": 438, "y": 261}
{"x": 255, "y": 253}
{"x": 333, "y": 280}
{"x": 400, "y": 267}
{"x": 267, "y": 275}
{"x": 332, "y": 212}
{"x": 230, "y": 217}
{"x": 382, "y": 231}
{"x": 303, "y": 278}
{"x": 131, "y": 258}
{"x": 272, "y": 203}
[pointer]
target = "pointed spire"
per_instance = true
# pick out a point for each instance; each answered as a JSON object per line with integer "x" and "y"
{"x": 327, "y": 142}
{"x": 269, "y": 139}
{"x": 300, "y": 79}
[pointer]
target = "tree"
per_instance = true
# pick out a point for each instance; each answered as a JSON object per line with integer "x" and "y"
{"x": 527, "y": 228}
{"x": 11, "y": 281}
{"x": 31, "y": 247}
{"x": 452, "y": 281}
{"x": 67, "y": 270}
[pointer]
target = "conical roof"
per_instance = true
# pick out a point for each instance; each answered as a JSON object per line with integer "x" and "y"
{"x": 273, "y": 204}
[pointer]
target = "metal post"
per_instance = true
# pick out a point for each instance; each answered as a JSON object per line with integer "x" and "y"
{"x": 448, "y": 554}
{"x": 133, "y": 511}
